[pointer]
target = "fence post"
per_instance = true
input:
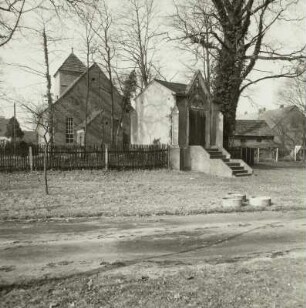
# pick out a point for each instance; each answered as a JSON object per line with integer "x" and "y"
{"x": 31, "y": 158}
{"x": 258, "y": 153}
{"x": 106, "y": 157}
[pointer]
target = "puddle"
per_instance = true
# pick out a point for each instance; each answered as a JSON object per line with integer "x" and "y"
{"x": 169, "y": 242}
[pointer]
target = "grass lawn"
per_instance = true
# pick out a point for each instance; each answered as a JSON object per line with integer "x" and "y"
{"x": 277, "y": 282}
{"x": 114, "y": 193}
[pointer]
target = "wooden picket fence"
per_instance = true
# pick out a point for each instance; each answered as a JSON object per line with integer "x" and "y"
{"x": 76, "y": 157}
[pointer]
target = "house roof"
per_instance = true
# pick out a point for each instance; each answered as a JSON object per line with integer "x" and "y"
{"x": 273, "y": 117}
{"x": 72, "y": 64}
{"x": 3, "y": 124}
{"x": 248, "y": 116}
{"x": 258, "y": 128}
{"x": 173, "y": 86}
{"x": 30, "y": 136}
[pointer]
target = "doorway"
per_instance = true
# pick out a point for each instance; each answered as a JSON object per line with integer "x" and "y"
{"x": 197, "y": 121}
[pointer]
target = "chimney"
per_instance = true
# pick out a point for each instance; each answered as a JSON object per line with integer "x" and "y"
{"x": 261, "y": 110}
{"x": 281, "y": 106}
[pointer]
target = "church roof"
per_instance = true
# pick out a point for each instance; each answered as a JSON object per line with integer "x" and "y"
{"x": 173, "y": 86}
{"x": 72, "y": 64}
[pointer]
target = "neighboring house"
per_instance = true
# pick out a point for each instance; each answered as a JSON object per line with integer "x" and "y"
{"x": 253, "y": 134}
{"x": 3, "y": 124}
{"x": 69, "y": 108}
{"x": 176, "y": 114}
{"x": 288, "y": 125}
{"x": 255, "y": 140}
{"x": 29, "y": 136}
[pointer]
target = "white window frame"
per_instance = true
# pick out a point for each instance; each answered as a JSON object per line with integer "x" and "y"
{"x": 69, "y": 130}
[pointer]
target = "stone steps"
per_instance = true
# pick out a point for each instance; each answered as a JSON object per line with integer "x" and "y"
{"x": 237, "y": 169}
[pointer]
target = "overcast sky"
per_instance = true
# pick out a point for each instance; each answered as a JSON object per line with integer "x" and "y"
{"x": 27, "y": 51}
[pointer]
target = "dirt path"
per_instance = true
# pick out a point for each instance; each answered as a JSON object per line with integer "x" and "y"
{"x": 62, "y": 248}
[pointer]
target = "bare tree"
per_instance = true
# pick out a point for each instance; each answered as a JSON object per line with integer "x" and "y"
{"x": 87, "y": 15}
{"x": 238, "y": 40}
{"x": 293, "y": 93}
{"x": 49, "y": 85}
{"x": 10, "y": 15}
{"x": 106, "y": 48}
{"x": 11, "y": 12}
{"x": 196, "y": 36}
{"x": 38, "y": 118}
{"x": 140, "y": 34}
{"x": 128, "y": 88}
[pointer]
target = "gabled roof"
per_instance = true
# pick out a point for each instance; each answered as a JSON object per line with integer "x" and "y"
{"x": 30, "y": 136}
{"x": 173, "y": 86}
{"x": 199, "y": 77}
{"x": 275, "y": 116}
{"x": 72, "y": 64}
{"x": 106, "y": 96}
{"x": 257, "y": 128}
{"x": 180, "y": 89}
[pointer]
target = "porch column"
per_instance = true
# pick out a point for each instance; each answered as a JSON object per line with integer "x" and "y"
{"x": 208, "y": 126}
{"x": 175, "y": 126}
{"x": 219, "y": 129}
{"x": 183, "y": 129}
{"x": 258, "y": 153}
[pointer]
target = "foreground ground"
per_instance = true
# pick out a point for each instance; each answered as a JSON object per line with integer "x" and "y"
{"x": 217, "y": 260}
{"x": 142, "y": 193}
{"x": 98, "y": 241}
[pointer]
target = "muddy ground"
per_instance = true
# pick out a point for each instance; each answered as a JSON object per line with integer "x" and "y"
{"x": 131, "y": 239}
{"x": 216, "y": 260}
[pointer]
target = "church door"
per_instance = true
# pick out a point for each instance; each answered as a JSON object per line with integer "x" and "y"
{"x": 196, "y": 127}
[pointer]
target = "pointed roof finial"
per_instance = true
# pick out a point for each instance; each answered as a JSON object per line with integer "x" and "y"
{"x": 71, "y": 49}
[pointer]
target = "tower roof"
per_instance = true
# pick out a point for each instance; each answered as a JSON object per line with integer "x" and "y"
{"x": 72, "y": 64}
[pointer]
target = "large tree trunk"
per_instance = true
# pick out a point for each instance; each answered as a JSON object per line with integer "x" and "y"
{"x": 228, "y": 79}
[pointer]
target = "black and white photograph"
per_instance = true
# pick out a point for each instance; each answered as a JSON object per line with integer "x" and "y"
{"x": 152, "y": 153}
